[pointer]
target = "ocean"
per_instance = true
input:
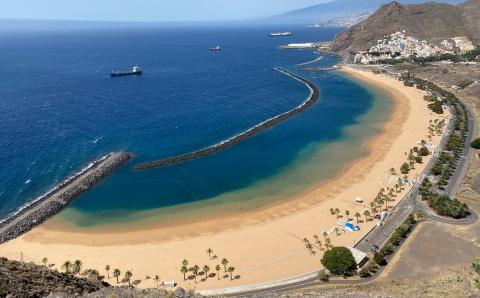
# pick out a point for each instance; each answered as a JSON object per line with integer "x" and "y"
{"x": 61, "y": 110}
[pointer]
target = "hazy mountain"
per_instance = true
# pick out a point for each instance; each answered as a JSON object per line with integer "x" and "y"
{"x": 337, "y": 9}
{"x": 431, "y": 21}
{"x": 343, "y": 22}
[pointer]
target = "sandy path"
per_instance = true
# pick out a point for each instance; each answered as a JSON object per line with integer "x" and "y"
{"x": 265, "y": 244}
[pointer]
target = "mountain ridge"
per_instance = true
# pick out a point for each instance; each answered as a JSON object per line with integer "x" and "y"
{"x": 430, "y": 21}
{"x": 338, "y": 9}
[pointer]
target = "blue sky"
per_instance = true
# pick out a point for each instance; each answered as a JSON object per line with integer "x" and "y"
{"x": 147, "y": 10}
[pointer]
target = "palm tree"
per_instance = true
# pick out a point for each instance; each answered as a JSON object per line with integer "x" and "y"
{"x": 391, "y": 193}
{"x": 157, "y": 279}
{"x": 317, "y": 239}
{"x": 92, "y": 274}
{"x": 224, "y": 263}
{"x": 306, "y": 241}
{"x": 185, "y": 263}
{"x": 218, "y": 268}
{"x": 325, "y": 234}
{"x": 357, "y": 215}
{"x": 195, "y": 271}
{"x": 147, "y": 277}
{"x": 77, "y": 267}
{"x": 332, "y": 211}
{"x": 67, "y": 266}
{"x": 347, "y": 213}
{"x": 206, "y": 269}
{"x": 337, "y": 212}
{"x": 337, "y": 231}
{"x": 380, "y": 201}
{"x": 231, "y": 270}
{"x": 386, "y": 200}
{"x": 319, "y": 244}
{"x": 393, "y": 172}
{"x": 107, "y": 268}
{"x": 328, "y": 243}
{"x": 367, "y": 215}
{"x": 116, "y": 273}
{"x": 209, "y": 252}
{"x": 184, "y": 270}
{"x": 310, "y": 248}
{"x": 45, "y": 261}
{"x": 128, "y": 276}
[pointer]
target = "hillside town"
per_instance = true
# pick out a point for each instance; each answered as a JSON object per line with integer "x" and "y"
{"x": 400, "y": 46}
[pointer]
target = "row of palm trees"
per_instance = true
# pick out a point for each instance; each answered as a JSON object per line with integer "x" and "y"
{"x": 75, "y": 268}
{"x": 357, "y": 215}
{"x": 195, "y": 269}
{"x": 318, "y": 243}
{"x": 381, "y": 201}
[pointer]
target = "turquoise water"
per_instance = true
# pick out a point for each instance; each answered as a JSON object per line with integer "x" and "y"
{"x": 61, "y": 110}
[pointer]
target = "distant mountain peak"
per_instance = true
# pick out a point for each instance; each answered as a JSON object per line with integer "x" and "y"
{"x": 343, "y": 8}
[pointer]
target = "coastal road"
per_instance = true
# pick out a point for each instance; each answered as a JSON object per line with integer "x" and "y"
{"x": 462, "y": 167}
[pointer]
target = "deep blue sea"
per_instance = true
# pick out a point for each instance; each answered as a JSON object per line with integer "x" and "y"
{"x": 60, "y": 110}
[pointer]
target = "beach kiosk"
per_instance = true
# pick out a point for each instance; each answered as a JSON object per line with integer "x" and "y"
{"x": 360, "y": 257}
{"x": 169, "y": 283}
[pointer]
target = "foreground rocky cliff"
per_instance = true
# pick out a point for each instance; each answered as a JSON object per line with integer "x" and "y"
{"x": 19, "y": 279}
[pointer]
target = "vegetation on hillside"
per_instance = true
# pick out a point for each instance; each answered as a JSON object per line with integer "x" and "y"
{"x": 20, "y": 279}
{"x": 476, "y": 268}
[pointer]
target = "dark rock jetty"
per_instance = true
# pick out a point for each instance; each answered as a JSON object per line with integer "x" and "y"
{"x": 57, "y": 199}
{"x": 314, "y": 95}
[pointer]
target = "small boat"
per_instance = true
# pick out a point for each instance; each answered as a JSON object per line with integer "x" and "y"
{"x": 135, "y": 71}
{"x": 279, "y": 34}
{"x": 216, "y": 49}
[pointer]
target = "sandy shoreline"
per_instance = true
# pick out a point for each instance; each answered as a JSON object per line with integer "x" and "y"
{"x": 263, "y": 244}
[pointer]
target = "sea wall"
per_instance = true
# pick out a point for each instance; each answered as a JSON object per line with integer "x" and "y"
{"x": 312, "y": 98}
{"x": 59, "y": 197}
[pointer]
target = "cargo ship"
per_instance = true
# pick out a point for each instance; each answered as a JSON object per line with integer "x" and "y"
{"x": 278, "y": 34}
{"x": 216, "y": 49}
{"x": 135, "y": 71}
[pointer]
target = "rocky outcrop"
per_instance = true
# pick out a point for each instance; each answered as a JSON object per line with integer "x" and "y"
{"x": 20, "y": 280}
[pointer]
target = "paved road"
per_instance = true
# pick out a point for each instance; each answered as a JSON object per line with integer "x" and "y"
{"x": 462, "y": 167}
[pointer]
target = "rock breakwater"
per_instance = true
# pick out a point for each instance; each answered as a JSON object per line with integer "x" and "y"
{"x": 54, "y": 201}
{"x": 312, "y": 98}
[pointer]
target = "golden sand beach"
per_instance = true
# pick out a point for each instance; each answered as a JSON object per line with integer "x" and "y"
{"x": 263, "y": 244}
